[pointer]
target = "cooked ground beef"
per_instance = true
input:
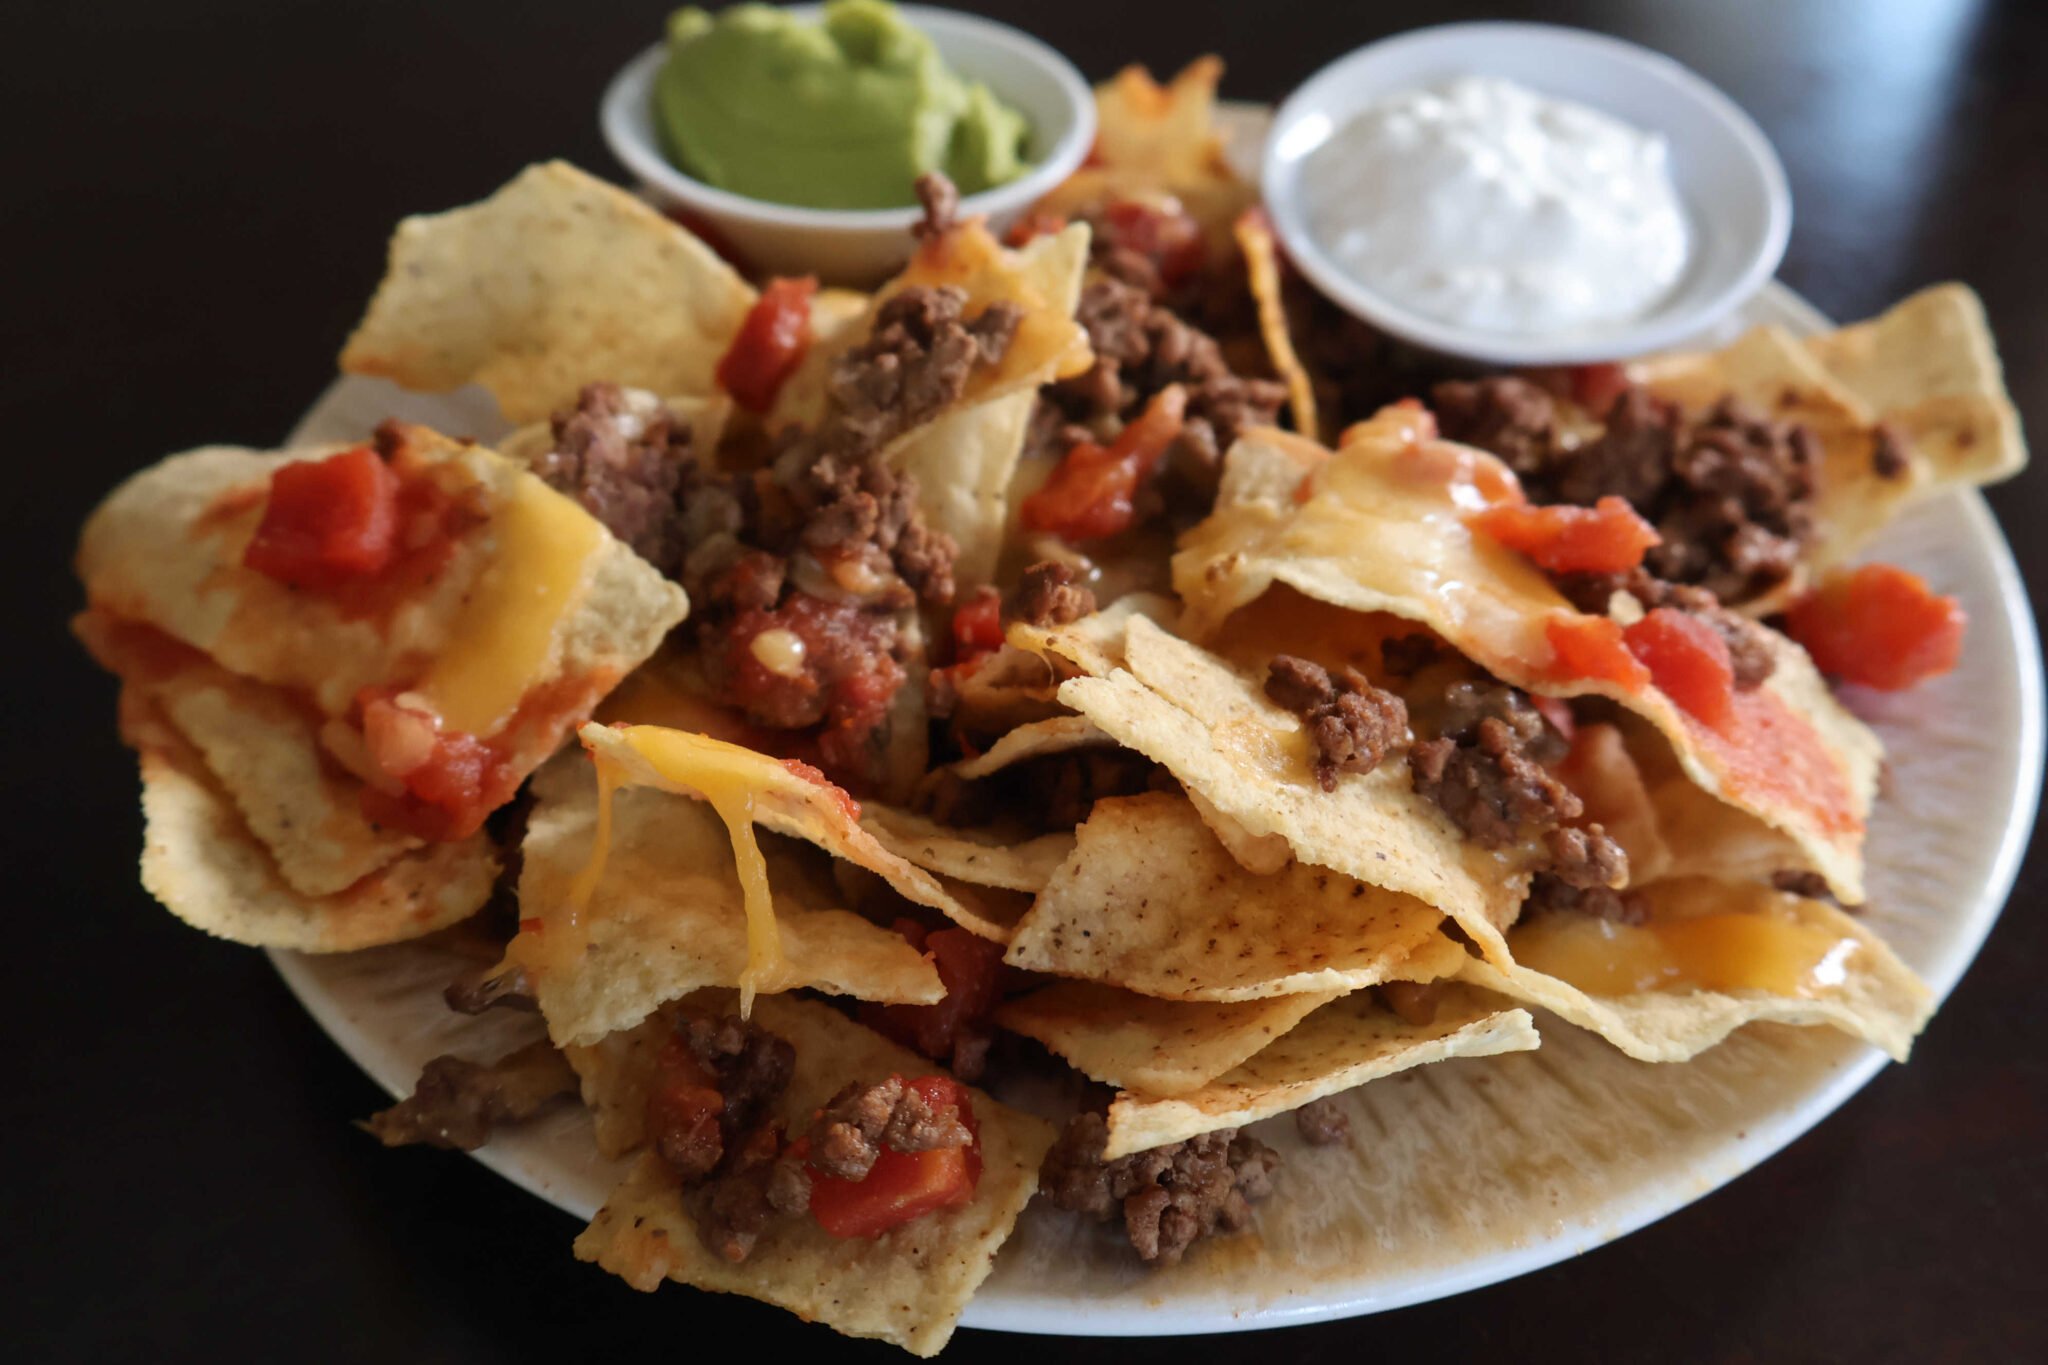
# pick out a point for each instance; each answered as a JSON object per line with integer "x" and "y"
{"x": 1740, "y": 505}
{"x": 762, "y": 1180}
{"x": 1140, "y": 348}
{"x": 1511, "y": 417}
{"x": 861, "y": 1120}
{"x": 941, "y": 203}
{"x": 1550, "y": 892}
{"x": 1352, "y": 724}
{"x": 1749, "y": 646}
{"x": 1403, "y": 656}
{"x": 1321, "y": 1123}
{"x": 753, "y": 1067}
{"x": 1169, "y": 1197}
{"x": 1489, "y": 769}
{"x": 1888, "y": 452}
{"x": 1048, "y": 596}
{"x": 624, "y": 467}
{"x": 1731, "y": 494}
{"x": 457, "y": 1101}
{"x": 1414, "y": 1001}
{"x": 1800, "y": 882}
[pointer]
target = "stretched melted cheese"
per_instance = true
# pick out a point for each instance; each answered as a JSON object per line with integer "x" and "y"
{"x": 547, "y": 548}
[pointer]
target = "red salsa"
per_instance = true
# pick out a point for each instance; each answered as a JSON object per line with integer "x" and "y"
{"x": 771, "y": 343}
{"x": 1608, "y": 537}
{"x": 903, "y": 1185}
{"x": 1880, "y": 626}
{"x": 1093, "y": 493}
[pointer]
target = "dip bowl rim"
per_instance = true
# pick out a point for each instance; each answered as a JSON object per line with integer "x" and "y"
{"x": 1748, "y": 247}
{"x": 628, "y": 129}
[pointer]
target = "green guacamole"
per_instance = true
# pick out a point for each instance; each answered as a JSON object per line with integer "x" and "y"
{"x": 843, "y": 114}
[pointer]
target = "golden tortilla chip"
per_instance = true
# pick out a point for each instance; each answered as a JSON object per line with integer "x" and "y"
{"x": 1137, "y": 1042}
{"x": 615, "y": 1074}
{"x": 746, "y": 788}
{"x": 981, "y": 857}
{"x": 1262, "y": 270}
{"x": 1604, "y": 775}
{"x": 668, "y": 916}
{"x": 1928, "y": 365}
{"x": 537, "y": 602}
{"x": 1344, "y": 1044}
{"x": 1093, "y": 643}
{"x": 1034, "y": 739}
{"x": 1379, "y": 527}
{"x": 907, "y": 1286}
{"x": 1712, "y": 956}
{"x": 261, "y": 750}
{"x": 1151, "y": 902}
{"x": 201, "y": 862}
{"x": 1214, "y": 729}
{"x": 556, "y": 280}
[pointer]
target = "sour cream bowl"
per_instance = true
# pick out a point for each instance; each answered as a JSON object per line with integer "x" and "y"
{"x": 1729, "y": 183}
{"x": 860, "y": 246}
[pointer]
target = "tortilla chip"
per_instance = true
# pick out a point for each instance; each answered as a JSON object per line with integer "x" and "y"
{"x": 1137, "y": 1042}
{"x": 1344, "y": 1044}
{"x": 261, "y": 750}
{"x": 556, "y": 280}
{"x": 1034, "y": 739}
{"x": 1376, "y": 527}
{"x": 202, "y": 863}
{"x": 1151, "y": 902}
{"x": 614, "y": 1074}
{"x": 1214, "y": 729}
{"x": 668, "y": 916}
{"x": 165, "y": 550}
{"x": 1603, "y": 774}
{"x": 1093, "y": 643}
{"x": 907, "y": 1286}
{"x": 1836, "y": 972}
{"x": 981, "y": 857}
{"x": 1262, "y": 271}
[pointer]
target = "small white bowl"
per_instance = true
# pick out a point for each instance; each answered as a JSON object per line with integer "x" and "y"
{"x": 860, "y": 246}
{"x": 1726, "y": 173}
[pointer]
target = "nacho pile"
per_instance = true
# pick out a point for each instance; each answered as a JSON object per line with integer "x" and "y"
{"x": 851, "y": 720}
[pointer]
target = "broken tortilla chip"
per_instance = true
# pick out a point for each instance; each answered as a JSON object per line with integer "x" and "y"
{"x": 1344, "y": 1044}
{"x": 1137, "y": 1042}
{"x": 556, "y": 280}
{"x": 1151, "y": 902}
{"x": 982, "y": 857}
{"x": 908, "y": 1285}
{"x": 1213, "y": 727}
{"x": 201, "y": 862}
{"x": 1262, "y": 270}
{"x": 1711, "y": 957}
{"x": 668, "y": 915}
{"x": 1034, "y": 739}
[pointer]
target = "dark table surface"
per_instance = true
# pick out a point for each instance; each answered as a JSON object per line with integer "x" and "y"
{"x": 195, "y": 212}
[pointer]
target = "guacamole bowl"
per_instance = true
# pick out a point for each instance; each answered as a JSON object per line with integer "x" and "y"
{"x": 861, "y": 246}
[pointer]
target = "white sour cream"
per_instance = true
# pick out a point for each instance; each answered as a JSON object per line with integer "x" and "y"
{"x": 1482, "y": 203}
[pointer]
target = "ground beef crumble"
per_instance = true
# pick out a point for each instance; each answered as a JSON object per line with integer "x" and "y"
{"x": 457, "y": 1101}
{"x": 1489, "y": 770}
{"x": 1047, "y": 595}
{"x": 1169, "y": 1197}
{"x": 1730, "y": 493}
{"x": 1749, "y": 646}
{"x": 623, "y": 462}
{"x": 1353, "y": 724}
{"x": 861, "y": 1120}
{"x": 1322, "y": 1123}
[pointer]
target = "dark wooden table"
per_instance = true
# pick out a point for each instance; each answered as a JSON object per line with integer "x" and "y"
{"x": 198, "y": 197}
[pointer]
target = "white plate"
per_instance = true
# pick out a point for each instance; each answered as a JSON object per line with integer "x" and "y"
{"x": 1458, "y": 1175}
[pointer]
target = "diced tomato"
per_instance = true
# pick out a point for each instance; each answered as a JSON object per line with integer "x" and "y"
{"x": 903, "y": 1185}
{"x": 1688, "y": 661}
{"x": 1591, "y": 648}
{"x": 978, "y": 625}
{"x": 1164, "y": 234}
{"x": 771, "y": 343}
{"x": 451, "y": 779}
{"x": 1595, "y": 387}
{"x": 1093, "y": 493}
{"x": 1607, "y": 537}
{"x": 683, "y": 1100}
{"x": 327, "y": 521}
{"x": 1880, "y": 627}
{"x": 970, "y": 968}
{"x": 1033, "y": 225}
